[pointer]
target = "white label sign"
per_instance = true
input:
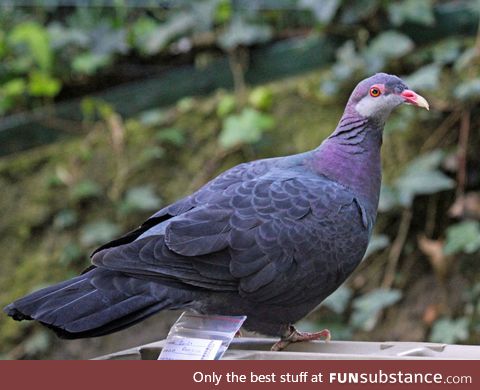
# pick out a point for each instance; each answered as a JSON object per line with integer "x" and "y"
{"x": 181, "y": 348}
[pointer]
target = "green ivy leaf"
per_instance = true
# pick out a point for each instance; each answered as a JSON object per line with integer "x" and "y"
{"x": 141, "y": 198}
{"x": 14, "y": 87}
{"x": 427, "y": 77}
{"x": 245, "y": 128}
{"x": 172, "y": 135}
{"x": 448, "y": 331}
{"x": 240, "y": 32}
{"x": 368, "y": 306}
{"x": 85, "y": 189}
{"x": 223, "y": 12}
{"x": 388, "y": 198}
{"x": 99, "y": 232}
{"x": 349, "y": 61}
{"x": 154, "y": 117}
{"x": 35, "y": 37}
{"x": 42, "y": 84}
{"x": 339, "y": 300}
{"x": 261, "y": 98}
{"x": 420, "y": 12}
{"x": 390, "y": 44}
{"x": 468, "y": 90}
{"x": 324, "y": 11}
{"x": 141, "y": 30}
{"x": 463, "y": 237}
{"x": 156, "y": 39}
{"x": 422, "y": 177}
{"x": 426, "y": 162}
{"x": 447, "y": 51}
{"x": 377, "y": 243}
{"x": 89, "y": 63}
{"x": 65, "y": 219}
{"x": 36, "y": 343}
{"x": 386, "y": 46}
{"x": 422, "y": 183}
{"x": 226, "y": 105}
{"x": 150, "y": 153}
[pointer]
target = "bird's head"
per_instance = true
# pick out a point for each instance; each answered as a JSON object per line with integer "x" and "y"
{"x": 376, "y": 96}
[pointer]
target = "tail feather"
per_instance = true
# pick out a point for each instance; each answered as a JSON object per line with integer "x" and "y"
{"x": 95, "y": 303}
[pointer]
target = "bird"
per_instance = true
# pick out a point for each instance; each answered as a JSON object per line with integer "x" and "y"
{"x": 269, "y": 239}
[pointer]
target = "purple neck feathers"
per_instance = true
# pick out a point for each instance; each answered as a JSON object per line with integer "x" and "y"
{"x": 351, "y": 156}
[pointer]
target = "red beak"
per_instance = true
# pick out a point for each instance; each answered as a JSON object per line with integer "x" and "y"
{"x": 414, "y": 98}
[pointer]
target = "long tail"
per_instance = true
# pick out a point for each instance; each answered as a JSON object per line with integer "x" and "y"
{"x": 95, "y": 303}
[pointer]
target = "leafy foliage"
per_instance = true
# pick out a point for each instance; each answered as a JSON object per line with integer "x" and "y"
{"x": 339, "y": 300}
{"x": 31, "y": 40}
{"x": 387, "y": 46}
{"x": 98, "y": 232}
{"x": 448, "y": 331}
{"x": 425, "y": 78}
{"x": 377, "y": 243}
{"x": 141, "y": 198}
{"x": 261, "y": 98}
{"x": 421, "y": 177}
{"x": 38, "y": 342}
{"x": 368, "y": 306}
{"x": 64, "y": 219}
{"x": 244, "y": 128}
{"x": 226, "y": 105}
{"x": 171, "y": 135}
{"x": 463, "y": 237}
{"x": 419, "y": 12}
{"x": 85, "y": 189}
{"x": 324, "y": 11}
{"x": 240, "y": 32}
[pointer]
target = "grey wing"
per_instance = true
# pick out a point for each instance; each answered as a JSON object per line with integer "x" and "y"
{"x": 290, "y": 238}
{"x": 152, "y": 225}
{"x": 278, "y": 239}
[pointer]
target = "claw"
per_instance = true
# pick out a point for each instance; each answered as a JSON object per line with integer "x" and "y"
{"x": 294, "y": 336}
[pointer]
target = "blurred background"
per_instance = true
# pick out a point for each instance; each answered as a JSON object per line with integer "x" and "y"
{"x": 111, "y": 109}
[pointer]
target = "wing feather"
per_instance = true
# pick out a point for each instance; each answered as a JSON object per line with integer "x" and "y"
{"x": 273, "y": 235}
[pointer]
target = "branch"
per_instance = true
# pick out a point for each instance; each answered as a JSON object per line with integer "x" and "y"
{"x": 462, "y": 153}
{"x": 397, "y": 248}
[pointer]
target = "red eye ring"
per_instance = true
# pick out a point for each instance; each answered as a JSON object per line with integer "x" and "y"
{"x": 375, "y": 92}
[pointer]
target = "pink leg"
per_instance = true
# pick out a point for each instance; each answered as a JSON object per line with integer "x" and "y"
{"x": 294, "y": 336}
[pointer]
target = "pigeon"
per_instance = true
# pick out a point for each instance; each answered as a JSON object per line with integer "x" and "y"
{"x": 269, "y": 239}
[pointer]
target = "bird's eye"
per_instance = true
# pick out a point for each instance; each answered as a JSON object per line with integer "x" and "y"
{"x": 375, "y": 92}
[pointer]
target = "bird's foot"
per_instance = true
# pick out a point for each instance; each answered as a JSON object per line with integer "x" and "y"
{"x": 294, "y": 336}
